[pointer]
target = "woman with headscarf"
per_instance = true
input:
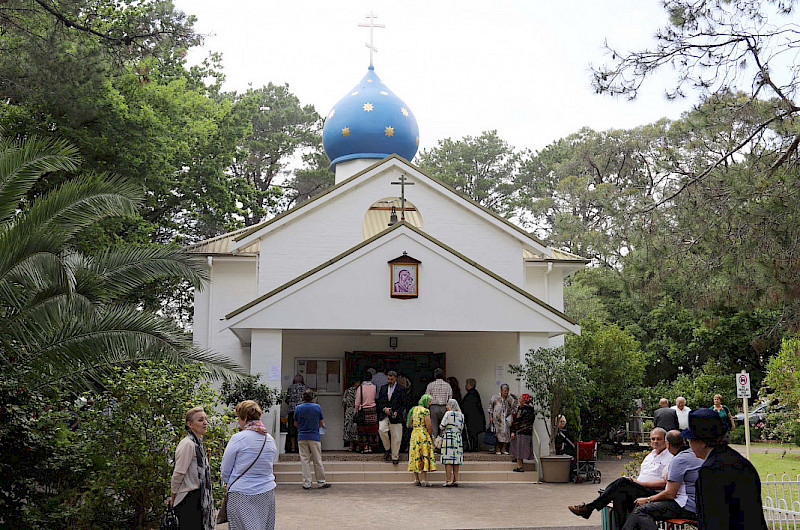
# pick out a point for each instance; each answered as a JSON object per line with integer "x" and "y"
{"x": 420, "y": 449}
{"x": 522, "y": 432}
{"x": 453, "y": 382}
{"x": 452, "y": 442}
{"x": 294, "y": 396}
{"x": 191, "y": 479}
{"x": 501, "y": 408}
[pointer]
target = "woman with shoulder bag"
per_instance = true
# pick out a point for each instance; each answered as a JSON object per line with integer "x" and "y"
{"x": 191, "y": 480}
{"x": 247, "y": 472}
{"x": 367, "y": 415}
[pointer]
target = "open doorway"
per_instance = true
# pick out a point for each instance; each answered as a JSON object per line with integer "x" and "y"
{"x": 417, "y": 366}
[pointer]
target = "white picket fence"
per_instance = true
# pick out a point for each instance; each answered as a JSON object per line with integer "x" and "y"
{"x": 782, "y": 501}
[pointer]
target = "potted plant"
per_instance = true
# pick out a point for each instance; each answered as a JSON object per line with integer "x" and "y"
{"x": 553, "y": 380}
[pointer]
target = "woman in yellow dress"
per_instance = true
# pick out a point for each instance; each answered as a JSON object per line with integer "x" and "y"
{"x": 420, "y": 449}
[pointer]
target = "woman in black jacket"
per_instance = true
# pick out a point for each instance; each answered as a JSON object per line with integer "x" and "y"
{"x": 474, "y": 415}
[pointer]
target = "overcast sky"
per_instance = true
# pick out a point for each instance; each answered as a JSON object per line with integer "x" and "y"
{"x": 520, "y": 67}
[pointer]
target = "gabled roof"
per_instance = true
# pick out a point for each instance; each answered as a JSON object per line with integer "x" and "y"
{"x": 556, "y": 315}
{"x": 248, "y": 235}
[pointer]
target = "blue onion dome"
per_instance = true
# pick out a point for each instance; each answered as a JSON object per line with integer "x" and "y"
{"x": 370, "y": 122}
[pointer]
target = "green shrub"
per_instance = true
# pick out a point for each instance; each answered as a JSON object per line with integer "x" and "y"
{"x": 233, "y": 392}
{"x": 130, "y": 433}
{"x": 737, "y": 435}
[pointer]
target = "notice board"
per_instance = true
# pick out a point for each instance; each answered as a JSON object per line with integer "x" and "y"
{"x": 323, "y": 376}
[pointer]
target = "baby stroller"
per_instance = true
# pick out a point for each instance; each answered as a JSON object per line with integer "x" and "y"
{"x": 585, "y": 463}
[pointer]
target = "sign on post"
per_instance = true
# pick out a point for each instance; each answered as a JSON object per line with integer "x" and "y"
{"x": 743, "y": 385}
{"x": 743, "y": 391}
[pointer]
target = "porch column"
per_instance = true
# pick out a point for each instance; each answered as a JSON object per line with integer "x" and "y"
{"x": 266, "y": 350}
{"x": 527, "y": 342}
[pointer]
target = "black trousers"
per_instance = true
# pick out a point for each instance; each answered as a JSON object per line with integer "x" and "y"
{"x": 645, "y": 517}
{"x": 189, "y": 512}
{"x": 622, "y": 492}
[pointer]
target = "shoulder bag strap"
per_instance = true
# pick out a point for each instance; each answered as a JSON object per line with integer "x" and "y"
{"x": 251, "y": 463}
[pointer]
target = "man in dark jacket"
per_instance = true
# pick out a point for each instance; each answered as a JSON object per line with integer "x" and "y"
{"x": 474, "y": 415}
{"x": 728, "y": 487}
{"x": 391, "y": 402}
{"x": 665, "y": 417}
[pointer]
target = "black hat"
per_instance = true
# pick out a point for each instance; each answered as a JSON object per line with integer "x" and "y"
{"x": 704, "y": 424}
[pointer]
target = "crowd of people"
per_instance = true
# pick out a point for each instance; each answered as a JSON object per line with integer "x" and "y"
{"x": 691, "y": 473}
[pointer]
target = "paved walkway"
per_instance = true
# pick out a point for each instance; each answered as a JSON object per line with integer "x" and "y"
{"x": 468, "y": 506}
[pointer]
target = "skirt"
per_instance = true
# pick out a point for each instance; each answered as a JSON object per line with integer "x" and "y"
{"x": 368, "y": 431}
{"x": 522, "y": 446}
{"x": 251, "y": 512}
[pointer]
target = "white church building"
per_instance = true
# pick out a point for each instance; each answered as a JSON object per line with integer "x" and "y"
{"x": 390, "y": 268}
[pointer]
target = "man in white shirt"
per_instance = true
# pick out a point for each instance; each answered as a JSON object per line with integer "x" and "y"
{"x": 624, "y": 491}
{"x": 682, "y": 411}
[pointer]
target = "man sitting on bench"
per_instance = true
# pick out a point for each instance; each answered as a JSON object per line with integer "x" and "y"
{"x": 678, "y": 500}
{"x": 625, "y": 490}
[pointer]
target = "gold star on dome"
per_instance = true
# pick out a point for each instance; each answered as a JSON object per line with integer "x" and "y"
{"x": 369, "y": 80}
{"x": 355, "y": 93}
{"x": 404, "y": 111}
{"x": 332, "y": 113}
{"x": 367, "y": 107}
{"x": 384, "y": 93}
{"x": 346, "y": 132}
{"x": 389, "y": 131}
{"x": 417, "y": 140}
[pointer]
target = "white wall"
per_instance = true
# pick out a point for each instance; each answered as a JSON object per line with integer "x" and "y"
{"x": 468, "y": 355}
{"x": 353, "y": 294}
{"x": 233, "y": 284}
{"x": 320, "y": 233}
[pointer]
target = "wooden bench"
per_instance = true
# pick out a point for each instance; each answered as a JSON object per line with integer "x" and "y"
{"x": 606, "y": 519}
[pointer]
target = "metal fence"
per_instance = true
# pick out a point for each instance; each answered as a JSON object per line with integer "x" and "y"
{"x": 781, "y": 500}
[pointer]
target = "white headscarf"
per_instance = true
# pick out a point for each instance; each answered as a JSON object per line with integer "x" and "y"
{"x": 453, "y": 404}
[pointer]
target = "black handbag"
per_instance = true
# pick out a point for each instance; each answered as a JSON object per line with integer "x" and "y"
{"x": 170, "y": 520}
{"x": 490, "y": 438}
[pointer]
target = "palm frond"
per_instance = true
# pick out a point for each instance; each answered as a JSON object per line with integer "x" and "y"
{"x": 124, "y": 270}
{"x": 23, "y": 162}
{"x": 77, "y": 204}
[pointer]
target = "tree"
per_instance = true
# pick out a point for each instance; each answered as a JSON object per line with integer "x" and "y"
{"x": 483, "y": 168}
{"x": 280, "y": 127}
{"x": 616, "y": 367}
{"x": 554, "y": 381}
{"x": 64, "y": 320}
{"x": 783, "y": 372}
{"x": 719, "y": 47}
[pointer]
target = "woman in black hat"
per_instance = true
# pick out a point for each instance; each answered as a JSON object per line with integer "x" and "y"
{"x": 728, "y": 488}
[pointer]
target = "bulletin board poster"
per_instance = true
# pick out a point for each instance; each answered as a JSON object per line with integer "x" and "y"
{"x": 323, "y": 376}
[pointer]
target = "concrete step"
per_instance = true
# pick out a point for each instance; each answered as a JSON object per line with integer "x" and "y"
{"x": 337, "y": 472}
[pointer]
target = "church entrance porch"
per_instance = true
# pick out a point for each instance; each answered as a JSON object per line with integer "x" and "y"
{"x": 418, "y": 367}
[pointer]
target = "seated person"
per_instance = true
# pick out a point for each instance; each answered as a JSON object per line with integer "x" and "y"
{"x": 564, "y": 443}
{"x": 678, "y": 500}
{"x": 625, "y": 490}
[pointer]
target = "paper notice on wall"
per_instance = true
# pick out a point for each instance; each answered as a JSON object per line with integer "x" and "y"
{"x": 311, "y": 380}
{"x": 322, "y": 370}
{"x": 333, "y": 379}
{"x": 499, "y": 374}
{"x": 274, "y": 372}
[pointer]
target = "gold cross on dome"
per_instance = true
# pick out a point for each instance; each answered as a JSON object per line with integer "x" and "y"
{"x": 371, "y": 25}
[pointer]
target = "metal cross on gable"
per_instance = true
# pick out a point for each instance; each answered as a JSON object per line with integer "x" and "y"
{"x": 371, "y": 25}
{"x": 403, "y": 183}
